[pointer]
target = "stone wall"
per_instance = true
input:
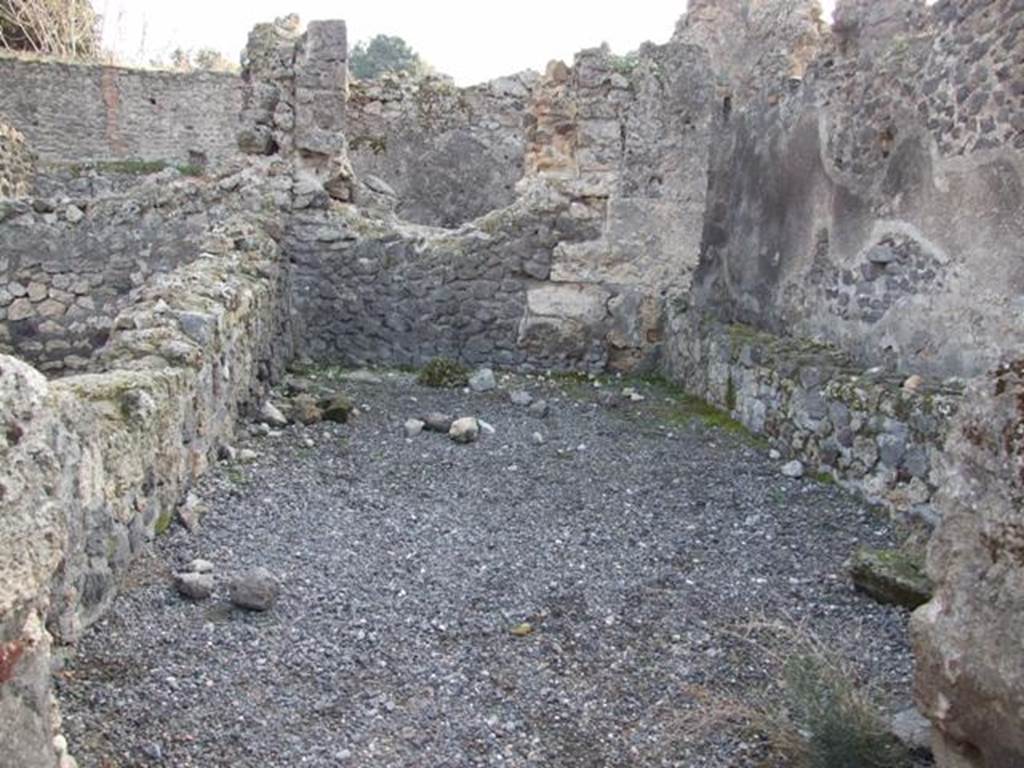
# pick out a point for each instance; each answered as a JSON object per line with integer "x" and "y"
{"x": 17, "y": 163}
{"x": 96, "y": 464}
{"x": 875, "y": 201}
{"x": 74, "y": 113}
{"x": 634, "y": 134}
{"x": 449, "y": 154}
{"x": 375, "y": 292}
{"x": 967, "y": 641}
{"x": 877, "y": 434}
{"x": 68, "y": 266}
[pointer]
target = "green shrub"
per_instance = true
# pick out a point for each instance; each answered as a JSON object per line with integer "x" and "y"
{"x": 442, "y": 373}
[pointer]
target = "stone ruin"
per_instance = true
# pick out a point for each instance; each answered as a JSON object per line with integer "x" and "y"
{"x": 814, "y": 228}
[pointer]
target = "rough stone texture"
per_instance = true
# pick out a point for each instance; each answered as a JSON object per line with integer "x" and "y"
{"x": 450, "y": 154}
{"x": 74, "y": 113}
{"x": 96, "y": 464}
{"x": 812, "y": 401}
{"x": 970, "y": 668}
{"x": 67, "y": 268}
{"x": 368, "y": 291}
{"x": 17, "y": 163}
{"x": 837, "y": 201}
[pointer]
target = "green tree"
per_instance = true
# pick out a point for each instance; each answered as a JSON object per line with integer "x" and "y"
{"x": 383, "y": 53}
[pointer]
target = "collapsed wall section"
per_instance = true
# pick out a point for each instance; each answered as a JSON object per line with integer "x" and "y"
{"x": 77, "y": 113}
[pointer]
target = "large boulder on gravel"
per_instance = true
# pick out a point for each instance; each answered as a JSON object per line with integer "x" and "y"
{"x": 272, "y": 416}
{"x": 483, "y": 380}
{"x": 255, "y": 590}
{"x": 465, "y": 430}
{"x": 194, "y": 586}
{"x": 968, "y": 639}
{"x": 438, "y": 422}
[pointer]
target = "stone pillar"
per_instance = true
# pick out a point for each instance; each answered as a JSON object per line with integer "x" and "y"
{"x": 969, "y": 640}
{"x": 321, "y": 90}
{"x": 268, "y": 64}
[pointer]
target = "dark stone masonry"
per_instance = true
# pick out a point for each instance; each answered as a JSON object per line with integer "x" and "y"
{"x": 813, "y": 228}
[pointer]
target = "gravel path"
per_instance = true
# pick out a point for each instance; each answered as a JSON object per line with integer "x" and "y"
{"x": 641, "y": 553}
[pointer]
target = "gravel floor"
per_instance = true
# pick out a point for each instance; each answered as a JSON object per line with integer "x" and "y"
{"x": 642, "y": 552}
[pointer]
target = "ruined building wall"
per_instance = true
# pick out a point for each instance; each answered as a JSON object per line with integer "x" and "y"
{"x": 970, "y": 665}
{"x": 66, "y": 269}
{"x": 17, "y": 163}
{"x": 95, "y": 464}
{"x": 449, "y": 154}
{"x": 68, "y": 266}
{"x": 574, "y": 274}
{"x": 875, "y": 203}
{"x": 75, "y": 113}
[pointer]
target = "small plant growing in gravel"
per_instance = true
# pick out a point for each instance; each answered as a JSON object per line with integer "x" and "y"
{"x": 442, "y": 373}
{"x": 840, "y": 727}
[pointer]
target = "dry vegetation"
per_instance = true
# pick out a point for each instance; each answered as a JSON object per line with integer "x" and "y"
{"x": 66, "y": 29}
{"x": 810, "y": 713}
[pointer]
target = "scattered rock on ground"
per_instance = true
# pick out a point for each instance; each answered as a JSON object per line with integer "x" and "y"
{"x": 190, "y": 512}
{"x": 483, "y": 380}
{"x": 361, "y": 376}
{"x": 891, "y": 576}
{"x": 521, "y": 397}
{"x": 538, "y": 438}
{"x": 247, "y": 455}
{"x": 774, "y": 454}
{"x": 794, "y": 469}
{"x": 414, "y": 427}
{"x": 272, "y": 416}
{"x": 254, "y": 590}
{"x": 306, "y": 410}
{"x": 913, "y": 729}
{"x": 465, "y": 430}
{"x": 438, "y": 422}
{"x": 540, "y": 409}
{"x": 913, "y": 384}
{"x": 487, "y": 429}
{"x": 199, "y": 566}
{"x": 194, "y": 586}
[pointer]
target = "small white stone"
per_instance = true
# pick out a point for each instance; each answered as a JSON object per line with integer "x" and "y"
{"x": 486, "y": 428}
{"x": 795, "y": 469}
{"x": 538, "y": 438}
{"x": 774, "y": 454}
{"x": 414, "y": 427}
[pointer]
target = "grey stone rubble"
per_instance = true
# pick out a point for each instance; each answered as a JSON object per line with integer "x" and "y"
{"x": 254, "y": 590}
{"x": 764, "y": 209}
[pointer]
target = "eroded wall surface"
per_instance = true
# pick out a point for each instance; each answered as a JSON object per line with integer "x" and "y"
{"x": 17, "y": 163}
{"x": 874, "y": 199}
{"x": 449, "y": 154}
{"x": 75, "y": 113}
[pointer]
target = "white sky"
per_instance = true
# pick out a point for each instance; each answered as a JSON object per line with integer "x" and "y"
{"x": 472, "y": 40}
